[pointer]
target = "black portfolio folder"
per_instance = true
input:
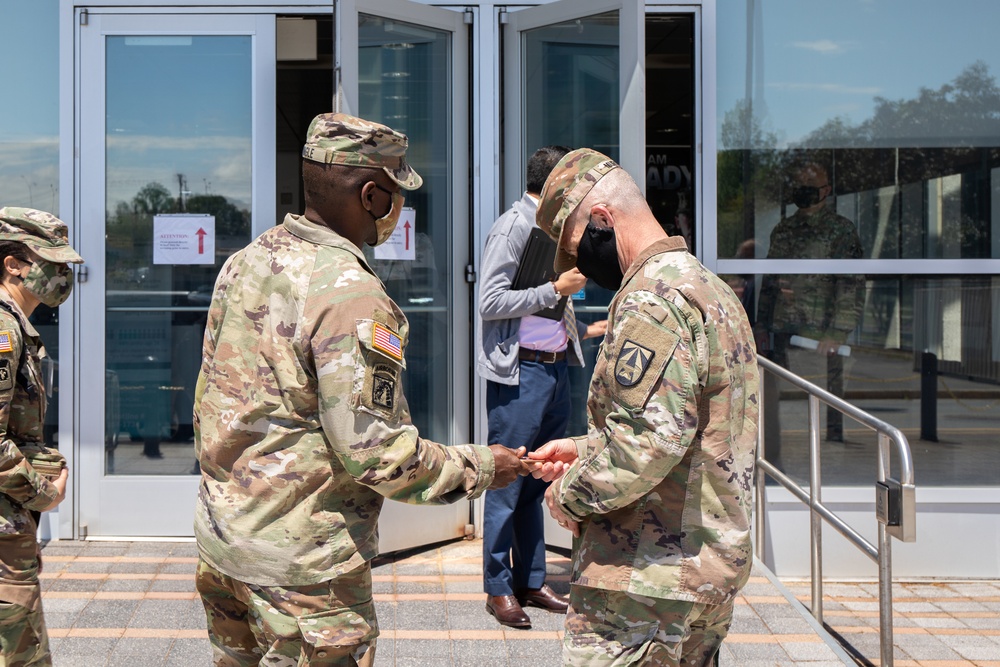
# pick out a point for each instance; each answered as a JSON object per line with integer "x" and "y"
{"x": 536, "y": 269}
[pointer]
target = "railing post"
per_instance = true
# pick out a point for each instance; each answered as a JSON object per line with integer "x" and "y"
{"x": 928, "y": 397}
{"x": 885, "y": 596}
{"x": 760, "y": 478}
{"x": 886, "y": 648}
{"x": 815, "y": 521}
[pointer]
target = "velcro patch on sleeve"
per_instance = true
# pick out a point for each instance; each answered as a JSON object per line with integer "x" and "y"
{"x": 642, "y": 350}
{"x": 381, "y": 388}
{"x": 6, "y": 377}
{"x": 387, "y": 341}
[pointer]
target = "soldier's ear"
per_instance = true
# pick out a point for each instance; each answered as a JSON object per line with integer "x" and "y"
{"x": 11, "y": 265}
{"x": 601, "y": 216}
{"x": 367, "y": 195}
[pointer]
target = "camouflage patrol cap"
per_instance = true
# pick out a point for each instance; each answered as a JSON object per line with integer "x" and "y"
{"x": 571, "y": 180}
{"x": 42, "y": 232}
{"x": 337, "y": 138}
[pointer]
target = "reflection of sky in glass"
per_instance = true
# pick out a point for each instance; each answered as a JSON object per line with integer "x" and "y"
{"x": 179, "y": 105}
{"x": 823, "y": 59}
{"x": 29, "y": 116}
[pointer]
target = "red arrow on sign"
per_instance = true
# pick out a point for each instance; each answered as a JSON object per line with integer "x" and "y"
{"x": 201, "y": 240}
{"x": 406, "y": 243}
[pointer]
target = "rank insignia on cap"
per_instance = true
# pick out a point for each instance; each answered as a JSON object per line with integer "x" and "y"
{"x": 387, "y": 342}
{"x": 633, "y": 360}
{"x": 6, "y": 345}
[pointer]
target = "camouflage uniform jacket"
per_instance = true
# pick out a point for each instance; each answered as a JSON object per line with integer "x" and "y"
{"x": 663, "y": 484}
{"x": 823, "y": 306}
{"x": 301, "y": 427}
{"x": 22, "y": 488}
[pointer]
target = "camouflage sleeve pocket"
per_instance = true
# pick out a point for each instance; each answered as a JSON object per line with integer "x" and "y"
{"x": 377, "y": 382}
{"x": 641, "y": 351}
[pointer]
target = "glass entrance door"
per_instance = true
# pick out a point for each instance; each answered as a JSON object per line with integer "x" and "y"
{"x": 175, "y": 125}
{"x": 406, "y": 65}
{"x": 574, "y": 77}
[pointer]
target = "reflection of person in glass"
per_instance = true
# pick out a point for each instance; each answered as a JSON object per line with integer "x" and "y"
{"x": 35, "y": 255}
{"x": 804, "y": 320}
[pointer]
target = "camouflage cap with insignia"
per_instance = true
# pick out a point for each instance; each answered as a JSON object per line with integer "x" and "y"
{"x": 337, "y": 138}
{"x": 571, "y": 180}
{"x": 45, "y": 234}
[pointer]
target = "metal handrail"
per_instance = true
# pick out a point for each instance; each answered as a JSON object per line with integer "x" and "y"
{"x": 895, "y": 499}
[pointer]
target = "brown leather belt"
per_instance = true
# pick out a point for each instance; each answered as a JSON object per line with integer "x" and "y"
{"x": 539, "y": 356}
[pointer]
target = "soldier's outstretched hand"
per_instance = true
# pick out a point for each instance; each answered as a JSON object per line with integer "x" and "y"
{"x": 508, "y": 465}
{"x": 552, "y": 459}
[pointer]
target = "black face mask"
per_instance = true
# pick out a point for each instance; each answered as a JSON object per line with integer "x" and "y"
{"x": 805, "y": 196}
{"x": 597, "y": 257}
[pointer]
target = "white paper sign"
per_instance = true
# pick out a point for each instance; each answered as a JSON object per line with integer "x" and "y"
{"x": 184, "y": 238}
{"x": 403, "y": 242}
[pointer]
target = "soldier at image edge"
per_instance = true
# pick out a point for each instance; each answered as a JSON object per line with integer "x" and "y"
{"x": 658, "y": 492}
{"x": 35, "y": 258}
{"x": 301, "y": 425}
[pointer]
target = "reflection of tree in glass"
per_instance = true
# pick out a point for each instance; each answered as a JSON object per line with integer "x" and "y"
{"x": 961, "y": 113}
{"x": 229, "y": 220}
{"x": 940, "y": 132}
{"x": 130, "y": 232}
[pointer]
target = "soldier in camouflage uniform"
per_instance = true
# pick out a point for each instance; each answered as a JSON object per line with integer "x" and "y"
{"x": 822, "y": 308}
{"x": 301, "y": 427}
{"x": 34, "y": 260}
{"x": 658, "y": 493}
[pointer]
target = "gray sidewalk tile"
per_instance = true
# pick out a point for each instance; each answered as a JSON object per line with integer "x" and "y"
{"x": 421, "y": 615}
{"x": 134, "y": 568}
{"x": 107, "y": 614}
{"x": 184, "y": 550}
{"x": 385, "y": 612}
{"x": 169, "y": 614}
{"x": 466, "y": 615}
{"x": 130, "y": 652}
{"x": 58, "y": 619}
{"x": 178, "y": 568}
{"x": 541, "y": 619}
{"x": 88, "y": 567}
{"x": 419, "y": 587}
{"x": 84, "y": 651}
{"x": 744, "y": 653}
{"x": 71, "y": 605}
{"x": 126, "y": 585}
{"x": 172, "y": 585}
{"x": 424, "y": 649}
{"x": 189, "y": 652}
{"x": 472, "y": 653}
{"x": 385, "y": 652}
{"x": 534, "y": 651}
{"x": 974, "y": 648}
{"x": 808, "y": 651}
{"x": 74, "y": 585}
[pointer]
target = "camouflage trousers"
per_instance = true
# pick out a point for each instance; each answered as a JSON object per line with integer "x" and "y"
{"x": 23, "y": 639}
{"x": 331, "y": 624}
{"x": 614, "y": 629}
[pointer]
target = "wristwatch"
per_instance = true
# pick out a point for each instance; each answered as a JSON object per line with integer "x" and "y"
{"x": 558, "y": 294}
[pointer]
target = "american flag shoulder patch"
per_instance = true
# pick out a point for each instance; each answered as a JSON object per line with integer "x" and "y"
{"x": 386, "y": 341}
{"x": 6, "y": 344}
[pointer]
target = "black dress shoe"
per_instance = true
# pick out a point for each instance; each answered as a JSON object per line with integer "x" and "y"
{"x": 544, "y": 597}
{"x": 507, "y": 611}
